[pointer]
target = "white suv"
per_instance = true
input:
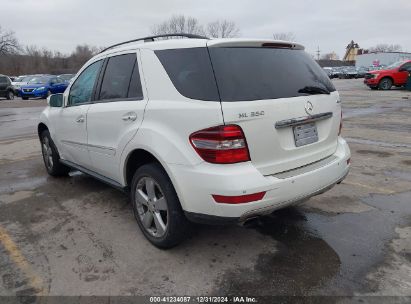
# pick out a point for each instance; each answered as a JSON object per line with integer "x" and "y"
{"x": 206, "y": 130}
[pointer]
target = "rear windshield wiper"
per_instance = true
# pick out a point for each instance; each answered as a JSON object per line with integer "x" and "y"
{"x": 313, "y": 90}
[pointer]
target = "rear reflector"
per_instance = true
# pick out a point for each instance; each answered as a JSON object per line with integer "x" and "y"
{"x": 221, "y": 145}
{"x": 240, "y": 199}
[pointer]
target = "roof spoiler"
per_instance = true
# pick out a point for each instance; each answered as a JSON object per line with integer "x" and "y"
{"x": 238, "y": 42}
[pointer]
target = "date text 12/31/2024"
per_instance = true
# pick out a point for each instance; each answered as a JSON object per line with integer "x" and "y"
{"x": 203, "y": 299}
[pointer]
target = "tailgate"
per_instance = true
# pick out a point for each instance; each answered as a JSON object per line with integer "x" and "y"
{"x": 274, "y": 149}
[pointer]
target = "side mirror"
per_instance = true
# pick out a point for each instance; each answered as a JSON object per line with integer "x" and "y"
{"x": 55, "y": 100}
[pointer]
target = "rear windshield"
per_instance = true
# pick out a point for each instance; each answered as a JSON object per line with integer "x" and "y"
{"x": 242, "y": 73}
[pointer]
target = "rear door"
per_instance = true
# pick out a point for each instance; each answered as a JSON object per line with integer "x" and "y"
{"x": 116, "y": 114}
{"x": 279, "y": 96}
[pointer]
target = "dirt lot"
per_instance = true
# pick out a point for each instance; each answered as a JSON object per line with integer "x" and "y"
{"x": 76, "y": 236}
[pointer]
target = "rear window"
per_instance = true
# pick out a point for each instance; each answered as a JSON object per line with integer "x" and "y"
{"x": 191, "y": 72}
{"x": 242, "y": 73}
{"x": 265, "y": 73}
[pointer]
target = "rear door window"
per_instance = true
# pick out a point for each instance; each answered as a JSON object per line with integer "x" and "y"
{"x": 265, "y": 73}
{"x": 121, "y": 79}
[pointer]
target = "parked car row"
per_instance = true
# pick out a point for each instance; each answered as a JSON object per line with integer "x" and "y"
{"x": 33, "y": 86}
{"x": 346, "y": 72}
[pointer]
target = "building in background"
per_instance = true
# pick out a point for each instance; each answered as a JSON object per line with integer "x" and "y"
{"x": 380, "y": 58}
{"x": 351, "y": 51}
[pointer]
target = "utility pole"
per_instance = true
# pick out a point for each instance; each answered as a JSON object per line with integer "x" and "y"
{"x": 318, "y": 52}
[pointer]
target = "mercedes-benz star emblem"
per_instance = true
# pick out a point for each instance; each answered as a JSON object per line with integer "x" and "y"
{"x": 309, "y": 107}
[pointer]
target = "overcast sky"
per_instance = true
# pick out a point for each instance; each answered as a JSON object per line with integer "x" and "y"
{"x": 329, "y": 24}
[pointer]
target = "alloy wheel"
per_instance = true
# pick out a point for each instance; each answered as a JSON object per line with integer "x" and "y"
{"x": 47, "y": 153}
{"x": 151, "y": 206}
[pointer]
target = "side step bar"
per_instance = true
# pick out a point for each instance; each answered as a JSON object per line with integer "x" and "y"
{"x": 100, "y": 177}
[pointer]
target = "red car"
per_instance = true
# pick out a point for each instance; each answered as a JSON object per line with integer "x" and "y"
{"x": 395, "y": 74}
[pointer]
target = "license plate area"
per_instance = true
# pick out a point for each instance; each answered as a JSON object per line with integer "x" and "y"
{"x": 305, "y": 134}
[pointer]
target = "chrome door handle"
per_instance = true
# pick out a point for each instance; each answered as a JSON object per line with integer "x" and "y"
{"x": 129, "y": 116}
{"x": 80, "y": 119}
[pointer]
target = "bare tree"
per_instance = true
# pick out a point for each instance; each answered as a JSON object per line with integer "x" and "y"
{"x": 222, "y": 29}
{"x": 286, "y": 36}
{"x": 8, "y": 43}
{"x": 385, "y": 47}
{"x": 81, "y": 54}
{"x": 179, "y": 24}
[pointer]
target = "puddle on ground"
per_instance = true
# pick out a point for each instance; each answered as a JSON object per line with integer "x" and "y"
{"x": 303, "y": 260}
{"x": 377, "y": 153}
{"x": 399, "y": 174}
{"x": 320, "y": 254}
{"x": 377, "y": 143}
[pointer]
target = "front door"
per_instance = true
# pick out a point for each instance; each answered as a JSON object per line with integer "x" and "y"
{"x": 116, "y": 114}
{"x": 71, "y": 121}
{"x": 402, "y": 75}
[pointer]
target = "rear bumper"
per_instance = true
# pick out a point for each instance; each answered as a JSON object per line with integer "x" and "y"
{"x": 196, "y": 185}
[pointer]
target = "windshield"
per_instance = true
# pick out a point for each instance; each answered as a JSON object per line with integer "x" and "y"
{"x": 394, "y": 65}
{"x": 21, "y": 79}
{"x": 39, "y": 80}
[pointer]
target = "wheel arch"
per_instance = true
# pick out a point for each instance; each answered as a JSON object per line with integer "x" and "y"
{"x": 387, "y": 76}
{"x": 140, "y": 156}
{"x": 41, "y": 127}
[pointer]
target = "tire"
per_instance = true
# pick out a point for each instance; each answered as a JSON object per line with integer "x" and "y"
{"x": 374, "y": 88}
{"x": 51, "y": 156}
{"x": 164, "y": 224}
{"x": 24, "y": 98}
{"x": 10, "y": 95}
{"x": 385, "y": 84}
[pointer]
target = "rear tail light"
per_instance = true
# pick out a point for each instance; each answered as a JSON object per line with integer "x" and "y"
{"x": 341, "y": 124}
{"x": 221, "y": 145}
{"x": 239, "y": 199}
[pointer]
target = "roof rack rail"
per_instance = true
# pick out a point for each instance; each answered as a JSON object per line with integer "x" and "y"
{"x": 151, "y": 38}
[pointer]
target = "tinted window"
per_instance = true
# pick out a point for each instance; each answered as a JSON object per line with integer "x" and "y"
{"x": 135, "y": 90}
{"x": 265, "y": 73}
{"x": 82, "y": 88}
{"x": 117, "y": 77}
{"x": 3, "y": 79}
{"x": 406, "y": 66}
{"x": 190, "y": 71}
